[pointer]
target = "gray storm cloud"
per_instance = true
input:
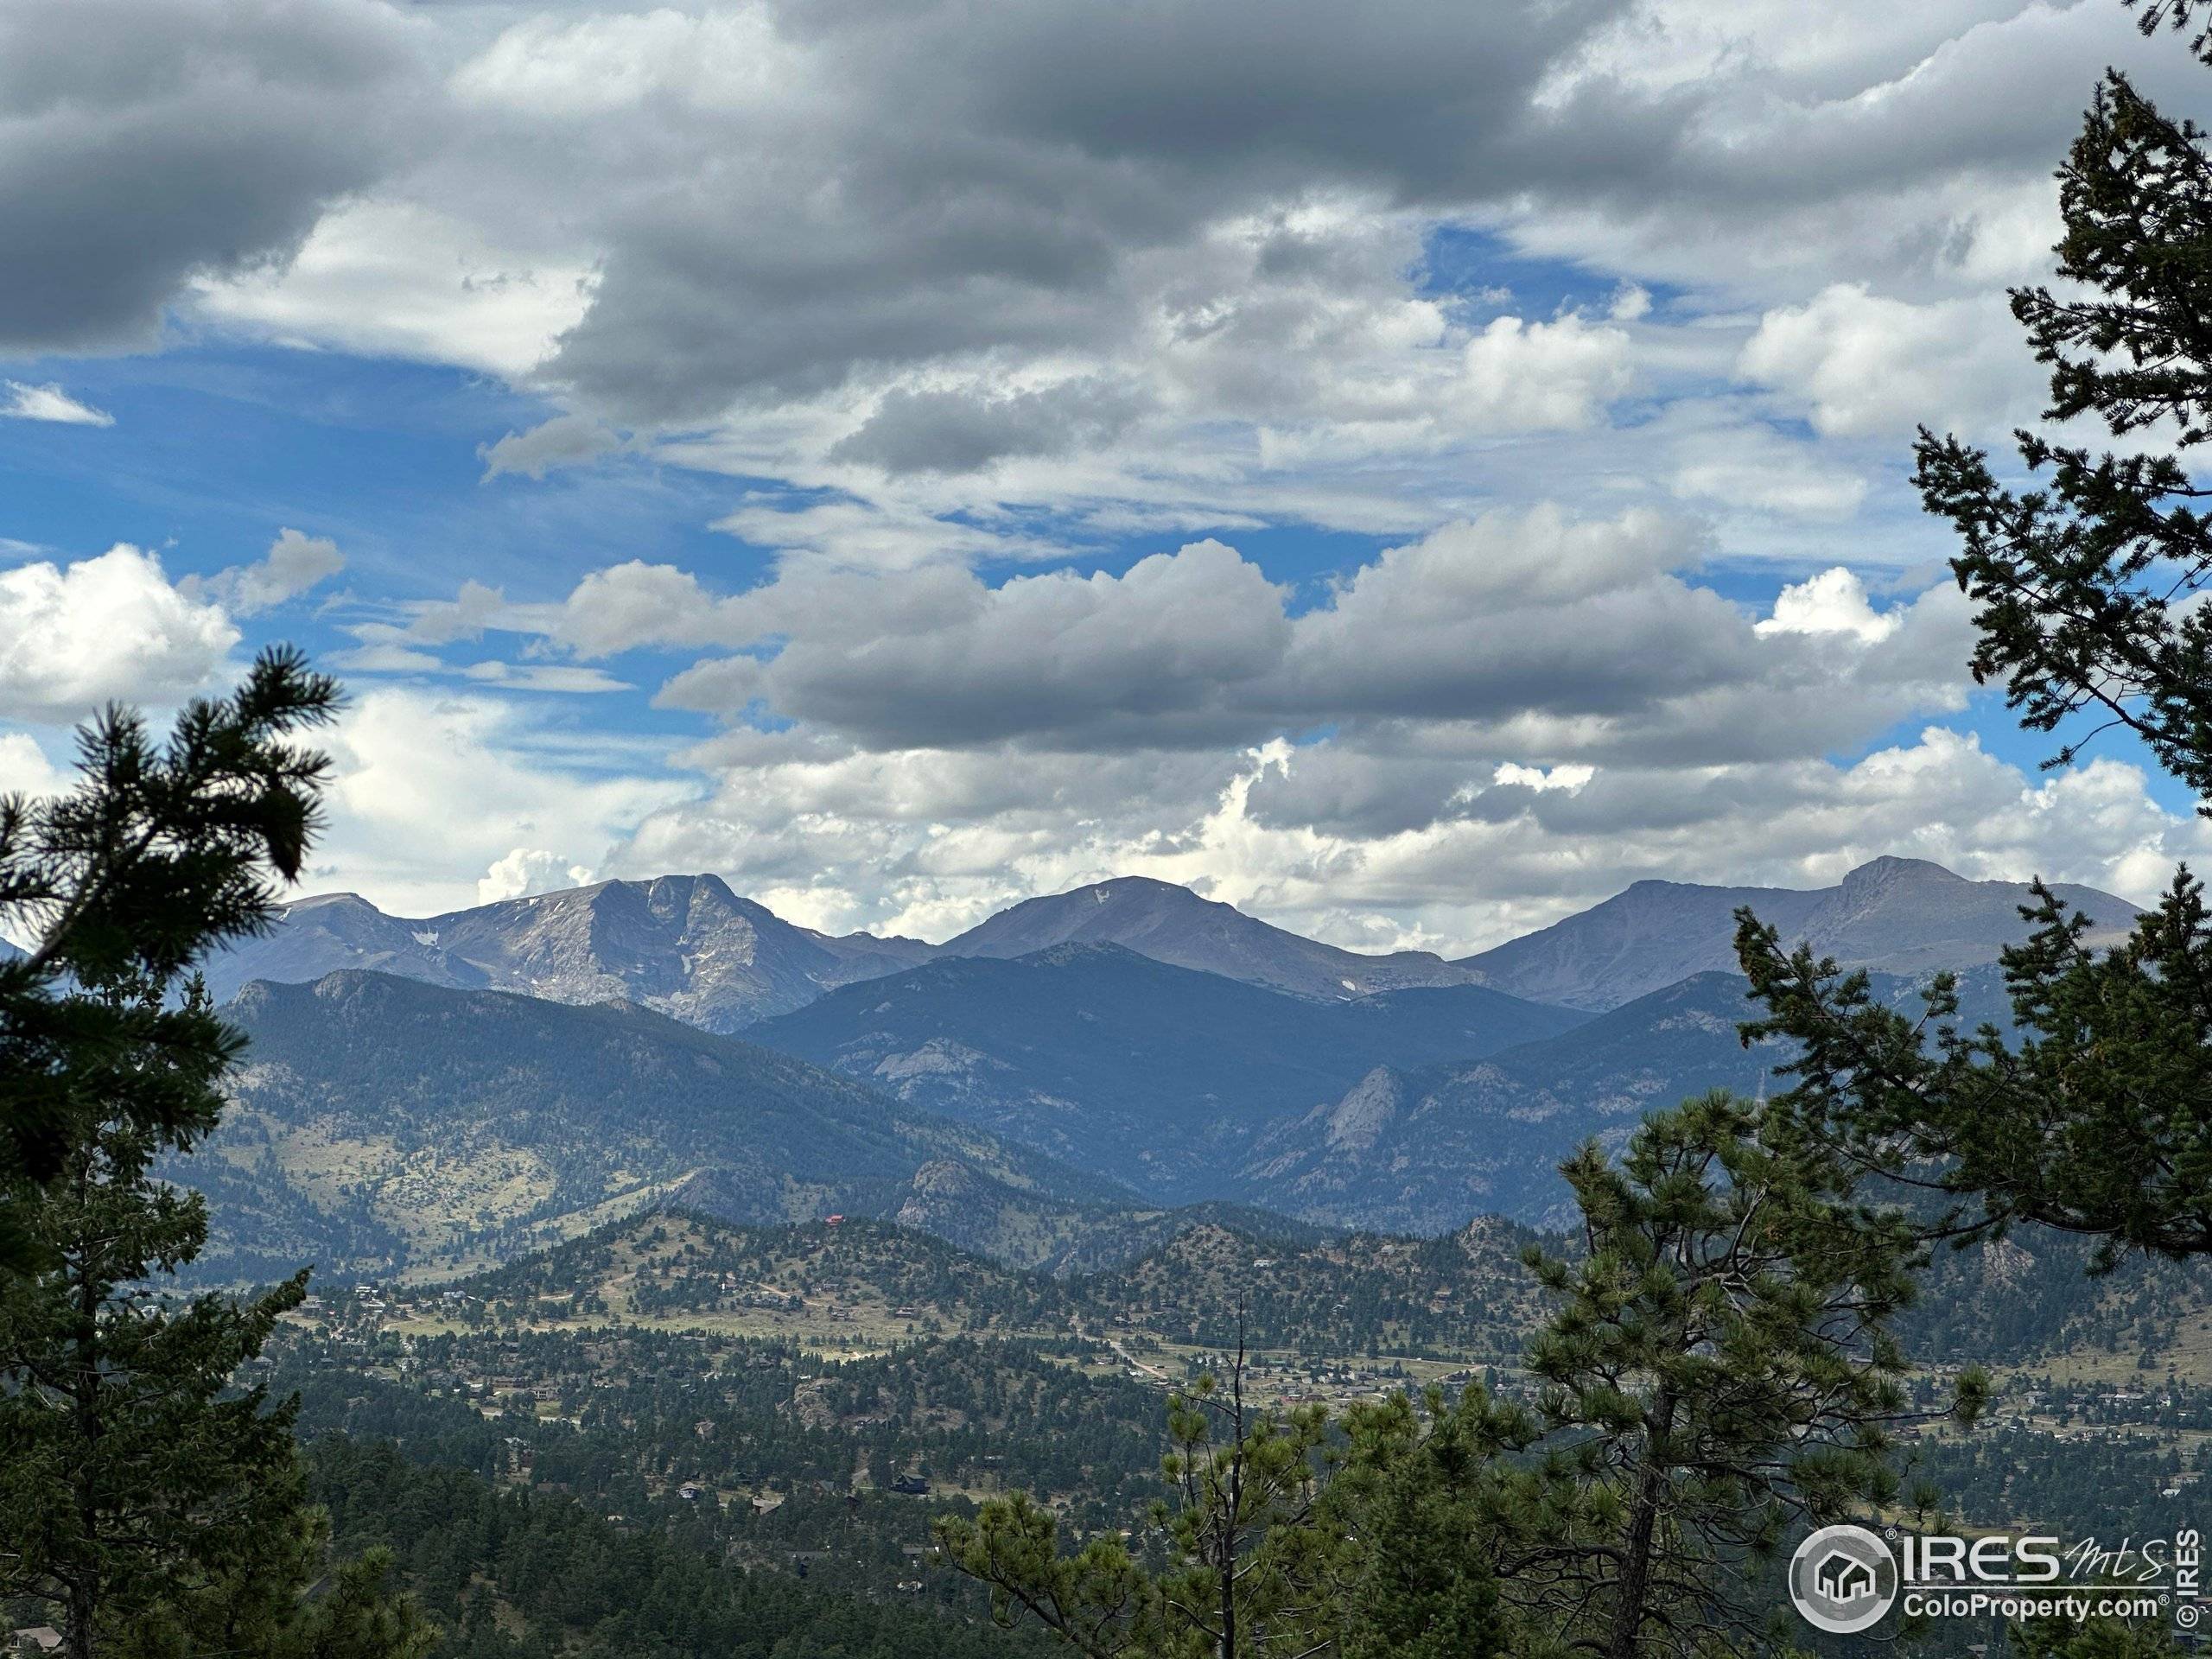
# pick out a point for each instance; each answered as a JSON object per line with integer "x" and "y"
{"x": 147, "y": 143}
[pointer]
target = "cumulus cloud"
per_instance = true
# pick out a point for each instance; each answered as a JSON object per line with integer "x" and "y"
{"x": 1834, "y": 602}
{"x": 1165, "y": 650}
{"x": 954, "y": 291}
{"x": 1744, "y": 145}
{"x": 634, "y": 604}
{"x": 1520, "y": 611}
{"x": 428, "y": 785}
{"x": 75, "y": 636}
{"x": 1196, "y": 293}
{"x": 1511, "y": 711}
{"x": 527, "y": 870}
{"x": 407, "y": 278}
{"x": 1579, "y": 638}
{"x": 1085, "y": 153}
{"x": 927, "y": 842}
{"x": 961, "y": 431}
{"x": 1865, "y": 364}
{"x": 49, "y": 403}
{"x": 1571, "y": 779}
{"x": 1528, "y": 376}
{"x": 296, "y": 561}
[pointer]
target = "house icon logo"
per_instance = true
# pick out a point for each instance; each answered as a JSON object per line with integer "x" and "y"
{"x": 1842, "y": 1579}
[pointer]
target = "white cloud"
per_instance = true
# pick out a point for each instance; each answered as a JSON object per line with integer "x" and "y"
{"x": 74, "y": 636}
{"x": 427, "y": 785}
{"x": 1571, "y": 779}
{"x": 1579, "y": 638}
{"x": 634, "y": 604}
{"x": 1168, "y": 647}
{"x": 1834, "y": 601}
{"x": 928, "y": 842}
{"x": 1738, "y": 465}
{"x": 1512, "y": 707}
{"x": 386, "y": 277}
{"x": 1866, "y": 364}
{"x": 49, "y": 403}
{"x": 526, "y": 870}
{"x": 1524, "y": 376}
{"x": 24, "y": 768}
{"x": 1128, "y": 295}
{"x": 573, "y": 70}
{"x": 1146, "y": 293}
{"x": 296, "y": 561}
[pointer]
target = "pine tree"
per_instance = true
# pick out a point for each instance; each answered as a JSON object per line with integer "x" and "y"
{"x": 2096, "y": 1117}
{"x": 1720, "y": 1370}
{"x": 1412, "y": 1511}
{"x": 121, "y": 1463}
{"x": 161, "y": 851}
{"x": 159, "y": 1507}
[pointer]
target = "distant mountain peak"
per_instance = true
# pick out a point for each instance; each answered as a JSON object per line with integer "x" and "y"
{"x": 685, "y": 945}
{"x": 1899, "y": 915}
{"x": 1151, "y": 887}
{"x": 329, "y": 901}
{"x": 1173, "y": 925}
{"x": 1889, "y": 871}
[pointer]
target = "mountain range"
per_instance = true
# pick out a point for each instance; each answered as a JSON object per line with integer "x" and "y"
{"x": 689, "y": 947}
{"x": 1076, "y": 1078}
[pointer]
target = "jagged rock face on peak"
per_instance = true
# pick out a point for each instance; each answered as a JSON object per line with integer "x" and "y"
{"x": 684, "y": 945}
{"x": 1893, "y": 915}
{"x": 1173, "y": 925}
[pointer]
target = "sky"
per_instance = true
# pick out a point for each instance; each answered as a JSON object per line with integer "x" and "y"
{"x": 1408, "y": 470}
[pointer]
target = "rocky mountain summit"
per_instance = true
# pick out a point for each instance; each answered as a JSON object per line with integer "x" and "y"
{"x": 683, "y": 945}
{"x": 1173, "y": 925}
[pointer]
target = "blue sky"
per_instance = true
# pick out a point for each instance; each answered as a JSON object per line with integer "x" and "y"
{"x": 1409, "y": 515}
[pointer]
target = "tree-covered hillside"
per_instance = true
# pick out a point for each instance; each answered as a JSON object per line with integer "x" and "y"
{"x": 447, "y": 1125}
{"x": 1154, "y": 1076}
